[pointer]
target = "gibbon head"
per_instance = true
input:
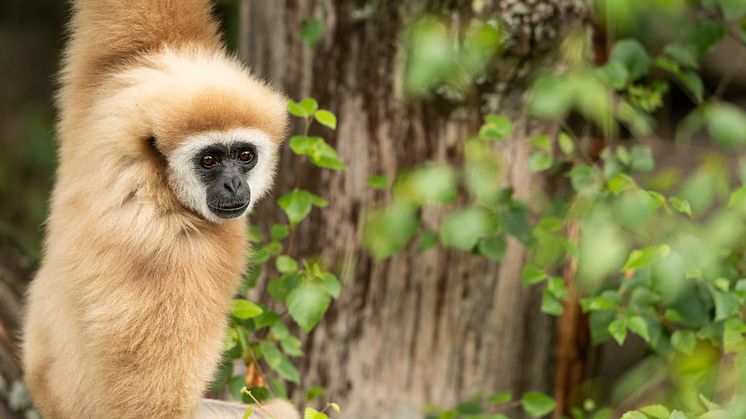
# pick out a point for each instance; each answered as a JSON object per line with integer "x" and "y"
{"x": 216, "y": 129}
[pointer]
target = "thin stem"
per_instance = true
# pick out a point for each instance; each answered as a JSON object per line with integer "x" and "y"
{"x": 728, "y": 76}
{"x": 258, "y": 405}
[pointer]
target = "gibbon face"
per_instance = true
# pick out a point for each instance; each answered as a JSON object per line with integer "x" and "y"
{"x": 221, "y": 175}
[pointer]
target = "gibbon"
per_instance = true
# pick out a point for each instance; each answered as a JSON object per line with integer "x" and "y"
{"x": 165, "y": 143}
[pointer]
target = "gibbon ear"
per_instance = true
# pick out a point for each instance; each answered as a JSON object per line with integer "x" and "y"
{"x": 150, "y": 149}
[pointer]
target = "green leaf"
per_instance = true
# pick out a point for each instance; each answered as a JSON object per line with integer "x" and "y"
{"x": 320, "y": 152}
{"x": 247, "y": 414}
{"x": 378, "y": 182}
{"x": 539, "y": 161}
{"x": 618, "y": 330}
{"x": 267, "y": 318}
{"x": 473, "y": 407}
{"x": 286, "y": 264}
{"x": 684, "y": 341}
{"x": 291, "y": 346}
{"x": 726, "y": 124}
{"x": 682, "y": 55}
{"x": 532, "y": 275}
{"x": 278, "y": 362}
{"x": 692, "y": 81}
{"x": 335, "y": 407}
{"x": 641, "y": 159}
{"x": 431, "y": 184}
{"x": 726, "y": 303}
{"x": 567, "y": 145}
{"x": 279, "y": 331}
{"x": 331, "y": 284}
{"x": 681, "y": 205}
{"x": 296, "y": 109}
{"x": 537, "y": 404}
{"x": 515, "y": 221}
{"x": 733, "y": 339}
{"x": 687, "y": 78}
{"x": 634, "y": 414}
{"x": 259, "y": 256}
{"x": 614, "y": 74}
{"x": 656, "y": 411}
{"x": 301, "y": 144}
{"x": 496, "y": 128}
{"x": 271, "y": 354}
{"x": 311, "y": 413}
{"x": 288, "y": 371}
{"x": 273, "y": 248}
{"x": 314, "y": 392}
{"x": 430, "y": 55}
{"x": 326, "y": 118}
{"x": 609, "y": 300}
{"x": 582, "y": 176}
{"x": 464, "y": 228}
{"x": 243, "y": 309}
{"x": 311, "y": 31}
{"x": 551, "y": 97}
{"x": 389, "y": 229}
{"x": 428, "y": 240}
{"x": 501, "y": 397}
{"x": 633, "y": 56}
{"x": 307, "y": 303}
{"x": 620, "y": 183}
{"x": 646, "y": 256}
{"x": 279, "y": 231}
{"x": 318, "y": 201}
{"x": 541, "y": 142}
{"x": 278, "y": 288}
{"x": 638, "y": 325}
{"x": 703, "y": 36}
{"x": 738, "y": 198}
{"x": 551, "y": 305}
{"x": 493, "y": 248}
{"x": 297, "y": 204}
{"x": 309, "y": 105}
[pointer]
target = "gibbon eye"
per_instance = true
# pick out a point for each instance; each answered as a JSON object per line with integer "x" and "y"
{"x": 246, "y": 156}
{"x": 208, "y": 161}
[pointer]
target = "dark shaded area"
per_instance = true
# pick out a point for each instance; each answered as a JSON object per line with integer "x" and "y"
{"x": 30, "y": 41}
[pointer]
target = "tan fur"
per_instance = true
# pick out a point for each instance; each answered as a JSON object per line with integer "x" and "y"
{"x": 127, "y": 314}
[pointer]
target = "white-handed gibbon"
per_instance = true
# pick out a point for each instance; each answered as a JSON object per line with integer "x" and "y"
{"x": 165, "y": 142}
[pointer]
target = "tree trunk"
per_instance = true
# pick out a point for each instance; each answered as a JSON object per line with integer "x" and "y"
{"x": 436, "y": 327}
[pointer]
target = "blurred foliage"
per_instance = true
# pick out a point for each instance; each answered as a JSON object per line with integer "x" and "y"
{"x": 440, "y": 58}
{"x": 660, "y": 253}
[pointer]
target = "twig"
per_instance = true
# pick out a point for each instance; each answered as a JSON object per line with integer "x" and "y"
{"x": 258, "y": 405}
{"x": 728, "y": 76}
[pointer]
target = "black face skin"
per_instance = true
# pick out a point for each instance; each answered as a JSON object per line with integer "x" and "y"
{"x": 223, "y": 172}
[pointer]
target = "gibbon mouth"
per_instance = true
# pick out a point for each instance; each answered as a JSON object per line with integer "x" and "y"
{"x": 229, "y": 211}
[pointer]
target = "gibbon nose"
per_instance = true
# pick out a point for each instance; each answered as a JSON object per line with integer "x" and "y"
{"x": 233, "y": 185}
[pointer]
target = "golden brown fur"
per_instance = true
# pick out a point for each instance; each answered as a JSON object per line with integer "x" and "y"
{"x": 127, "y": 313}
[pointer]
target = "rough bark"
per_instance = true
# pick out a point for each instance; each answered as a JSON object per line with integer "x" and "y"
{"x": 436, "y": 327}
